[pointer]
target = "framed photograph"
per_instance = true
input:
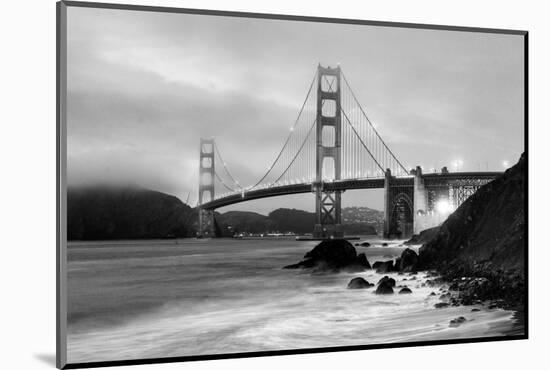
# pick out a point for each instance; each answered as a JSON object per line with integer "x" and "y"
{"x": 236, "y": 184}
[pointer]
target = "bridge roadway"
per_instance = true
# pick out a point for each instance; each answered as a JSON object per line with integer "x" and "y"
{"x": 430, "y": 179}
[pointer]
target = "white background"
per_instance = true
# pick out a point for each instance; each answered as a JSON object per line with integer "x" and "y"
{"x": 27, "y": 196}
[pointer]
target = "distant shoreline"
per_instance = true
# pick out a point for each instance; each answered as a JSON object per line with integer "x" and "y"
{"x": 175, "y": 240}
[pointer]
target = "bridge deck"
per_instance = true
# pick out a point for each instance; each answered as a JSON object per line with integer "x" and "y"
{"x": 432, "y": 179}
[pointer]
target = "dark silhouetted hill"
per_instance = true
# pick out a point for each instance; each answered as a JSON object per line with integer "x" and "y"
{"x": 104, "y": 212}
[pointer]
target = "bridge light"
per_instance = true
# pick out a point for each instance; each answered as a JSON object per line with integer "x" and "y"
{"x": 444, "y": 207}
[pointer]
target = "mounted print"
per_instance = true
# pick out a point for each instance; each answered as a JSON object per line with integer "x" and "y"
{"x": 235, "y": 184}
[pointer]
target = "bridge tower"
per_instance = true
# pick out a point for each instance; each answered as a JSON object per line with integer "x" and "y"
{"x": 328, "y": 203}
{"x": 206, "y": 188}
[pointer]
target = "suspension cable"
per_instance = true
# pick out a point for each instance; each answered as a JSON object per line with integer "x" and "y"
{"x": 223, "y": 183}
{"x": 290, "y": 135}
{"x": 225, "y": 167}
{"x": 299, "y": 150}
{"x": 370, "y": 123}
{"x": 361, "y": 140}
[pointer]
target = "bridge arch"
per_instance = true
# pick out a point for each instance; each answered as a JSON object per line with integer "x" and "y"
{"x": 402, "y": 216}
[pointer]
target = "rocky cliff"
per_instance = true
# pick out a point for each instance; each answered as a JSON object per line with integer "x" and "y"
{"x": 488, "y": 228}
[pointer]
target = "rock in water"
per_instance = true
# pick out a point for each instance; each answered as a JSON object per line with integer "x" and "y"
{"x": 362, "y": 260}
{"x": 382, "y": 267}
{"x": 408, "y": 261}
{"x": 456, "y": 322}
{"x": 385, "y": 287}
{"x": 387, "y": 280}
{"x": 359, "y": 283}
{"x": 333, "y": 256}
{"x": 405, "y": 290}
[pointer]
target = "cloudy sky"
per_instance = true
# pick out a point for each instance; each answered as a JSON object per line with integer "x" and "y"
{"x": 144, "y": 87}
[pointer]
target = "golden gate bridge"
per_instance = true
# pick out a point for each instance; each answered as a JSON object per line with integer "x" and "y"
{"x": 332, "y": 147}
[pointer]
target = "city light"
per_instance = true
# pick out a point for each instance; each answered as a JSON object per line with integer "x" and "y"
{"x": 443, "y": 207}
{"x": 505, "y": 164}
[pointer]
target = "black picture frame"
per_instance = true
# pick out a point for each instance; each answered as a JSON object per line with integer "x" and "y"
{"x": 61, "y": 186}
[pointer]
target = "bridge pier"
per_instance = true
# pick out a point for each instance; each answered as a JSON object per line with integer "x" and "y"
{"x": 206, "y": 223}
{"x": 387, "y": 203}
{"x": 206, "y": 188}
{"x": 420, "y": 202}
{"x": 328, "y": 211}
{"x": 398, "y": 207}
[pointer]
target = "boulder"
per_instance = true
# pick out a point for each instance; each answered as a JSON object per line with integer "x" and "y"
{"x": 383, "y": 266}
{"x": 441, "y": 305}
{"x": 363, "y": 261}
{"x": 384, "y": 288}
{"x": 456, "y": 322}
{"x": 396, "y": 264}
{"x": 333, "y": 256}
{"x": 365, "y": 244}
{"x": 359, "y": 283}
{"x": 408, "y": 261}
{"x": 405, "y": 290}
{"x": 387, "y": 280}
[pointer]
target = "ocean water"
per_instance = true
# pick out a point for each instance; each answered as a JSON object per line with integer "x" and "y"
{"x": 164, "y": 298}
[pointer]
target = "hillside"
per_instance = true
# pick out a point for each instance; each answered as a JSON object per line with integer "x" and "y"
{"x": 242, "y": 222}
{"x": 486, "y": 233}
{"x": 103, "y": 213}
{"x": 294, "y": 220}
{"x": 297, "y": 221}
{"x": 361, "y": 216}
